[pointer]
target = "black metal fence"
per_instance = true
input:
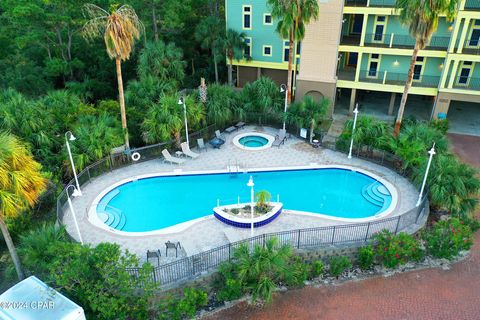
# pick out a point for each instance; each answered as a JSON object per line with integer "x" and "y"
{"x": 200, "y": 263}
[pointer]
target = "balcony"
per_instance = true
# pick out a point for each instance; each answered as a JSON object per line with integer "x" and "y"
{"x": 403, "y": 41}
{"x": 350, "y": 40}
{"x": 372, "y": 3}
{"x": 467, "y": 83}
{"x": 472, "y": 5}
{"x": 471, "y": 46}
{"x": 346, "y": 74}
{"x": 398, "y": 79}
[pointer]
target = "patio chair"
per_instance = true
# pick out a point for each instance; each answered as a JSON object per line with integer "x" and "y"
{"x": 171, "y": 245}
{"x": 219, "y": 135}
{"x": 186, "y": 151}
{"x": 201, "y": 144}
{"x": 168, "y": 158}
{"x": 155, "y": 255}
{"x": 279, "y": 138}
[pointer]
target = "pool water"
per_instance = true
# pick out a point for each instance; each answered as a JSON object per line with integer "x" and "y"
{"x": 159, "y": 202}
{"x": 253, "y": 141}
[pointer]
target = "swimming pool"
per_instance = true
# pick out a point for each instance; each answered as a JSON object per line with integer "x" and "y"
{"x": 159, "y": 202}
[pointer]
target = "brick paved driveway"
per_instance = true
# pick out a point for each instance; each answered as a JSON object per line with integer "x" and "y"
{"x": 426, "y": 294}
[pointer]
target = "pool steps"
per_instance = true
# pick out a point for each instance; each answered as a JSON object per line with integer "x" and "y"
{"x": 109, "y": 215}
{"x": 375, "y": 193}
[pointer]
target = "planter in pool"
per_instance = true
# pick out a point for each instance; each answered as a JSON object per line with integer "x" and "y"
{"x": 242, "y": 222}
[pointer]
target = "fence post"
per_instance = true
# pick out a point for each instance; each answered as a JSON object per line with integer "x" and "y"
{"x": 154, "y": 276}
{"x": 193, "y": 265}
{"x": 333, "y": 234}
{"x": 366, "y": 234}
{"x": 88, "y": 171}
{"x": 298, "y": 239}
{"x": 110, "y": 162}
{"x": 263, "y": 240}
{"x": 398, "y": 222}
{"x": 229, "y": 251}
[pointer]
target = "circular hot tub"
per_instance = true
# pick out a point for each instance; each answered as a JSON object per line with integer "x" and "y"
{"x": 253, "y": 141}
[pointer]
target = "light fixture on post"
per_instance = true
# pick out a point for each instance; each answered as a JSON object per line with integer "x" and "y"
{"x": 75, "y": 193}
{"x": 431, "y": 152}
{"x": 70, "y": 137}
{"x": 284, "y": 88}
{"x": 252, "y": 204}
{"x": 355, "y": 112}
{"x": 396, "y": 63}
{"x": 182, "y": 101}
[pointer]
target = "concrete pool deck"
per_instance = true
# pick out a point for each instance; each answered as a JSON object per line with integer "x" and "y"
{"x": 209, "y": 232}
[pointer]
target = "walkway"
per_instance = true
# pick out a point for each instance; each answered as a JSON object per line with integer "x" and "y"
{"x": 428, "y": 294}
{"x": 294, "y": 153}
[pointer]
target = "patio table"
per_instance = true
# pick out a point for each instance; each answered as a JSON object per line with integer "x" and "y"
{"x": 216, "y": 143}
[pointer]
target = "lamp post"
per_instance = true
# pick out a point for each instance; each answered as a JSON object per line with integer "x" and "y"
{"x": 75, "y": 193}
{"x": 251, "y": 184}
{"x": 431, "y": 152}
{"x": 353, "y": 130}
{"x": 70, "y": 137}
{"x": 182, "y": 101}
{"x": 284, "y": 88}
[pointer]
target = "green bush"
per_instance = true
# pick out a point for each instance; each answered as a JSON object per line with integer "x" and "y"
{"x": 394, "y": 250}
{"x": 316, "y": 269}
{"x": 339, "y": 265}
{"x": 185, "y": 307}
{"x": 232, "y": 290}
{"x": 447, "y": 238}
{"x": 297, "y": 272}
{"x": 441, "y": 125}
{"x": 366, "y": 257}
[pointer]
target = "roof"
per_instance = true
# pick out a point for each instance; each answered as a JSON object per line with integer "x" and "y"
{"x": 32, "y": 299}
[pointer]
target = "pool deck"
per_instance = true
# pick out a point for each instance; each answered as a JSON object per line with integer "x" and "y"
{"x": 210, "y": 233}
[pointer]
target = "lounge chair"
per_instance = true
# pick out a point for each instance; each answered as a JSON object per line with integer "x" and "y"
{"x": 171, "y": 245}
{"x": 168, "y": 157}
{"x": 201, "y": 145}
{"x": 219, "y": 135}
{"x": 186, "y": 151}
{"x": 280, "y": 138}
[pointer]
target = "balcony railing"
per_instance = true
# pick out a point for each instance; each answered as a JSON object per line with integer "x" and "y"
{"x": 346, "y": 74}
{"x": 467, "y": 83}
{"x": 403, "y": 41}
{"x": 351, "y": 40}
{"x": 372, "y": 3}
{"x": 472, "y": 4}
{"x": 399, "y": 79}
{"x": 471, "y": 46}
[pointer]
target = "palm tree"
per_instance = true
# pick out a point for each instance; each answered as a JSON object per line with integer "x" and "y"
{"x": 222, "y": 104}
{"x": 293, "y": 15}
{"x": 164, "y": 120}
{"x": 263, "y": 198}
{"x": 21, "y": 183}
{"x": 209, "y": 33}
{"x": 234, "y": 45}
{"x": 308, "y": 112}
{"x": 421, "y": 16}
{"x": 119, "y": 28}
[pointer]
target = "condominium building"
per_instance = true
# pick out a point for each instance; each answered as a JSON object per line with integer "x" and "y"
{"x": 359, "y": 52}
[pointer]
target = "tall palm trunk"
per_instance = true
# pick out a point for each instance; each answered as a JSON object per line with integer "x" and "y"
{"x": 408, "y": 84}
{"x": 121, "y": 99}
{"x": 230, "y": 71}
{"x": 215, "y": 64}
{"x": 12, "y": 250}
{"x": 290, "y": 67}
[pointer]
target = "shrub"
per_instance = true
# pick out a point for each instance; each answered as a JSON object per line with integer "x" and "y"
{"x": 447, "y": 238}
{"x": 235, "y": 211}
{"x": 297, "y": 272}
{"x": 185, "y": 307}
{"x": 366, "y": 257}
{"x": 394, "y": 250}
{"x": 232, "y": 290}
{"x": 316, "y": 269}
{"x": 368, "y": 131}
{"x": 441, "y": 125}
{"x": 338, "y": 265}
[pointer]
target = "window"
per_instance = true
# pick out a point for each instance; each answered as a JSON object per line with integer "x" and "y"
{"x": 267, "y": 19}
{"x": 247, "y": 17}
{"x": 299, "y": 46}
{"x": 247, "y": 52}
{"x": 373, "y": 65}
{"x": 286, "y": 50}
{"x": 464, "y": 73}
{"x": 474, "y": 38}
{"x": 418, "y": 69}
{"x": 379, "y": 28}
{"x": 267, "y": 51}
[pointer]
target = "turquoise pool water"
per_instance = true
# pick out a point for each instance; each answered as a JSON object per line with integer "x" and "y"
{"x": 253, "y": 141}
{"x": 159, "y": 202}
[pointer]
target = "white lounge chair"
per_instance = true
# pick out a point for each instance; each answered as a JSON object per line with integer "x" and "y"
{"x": 201, "y": 144}
{"x": 186, "y": 151}
{"x": 219, "y": 135}
{"x": 280, "y": 138}
{"x": 168, "y": 157}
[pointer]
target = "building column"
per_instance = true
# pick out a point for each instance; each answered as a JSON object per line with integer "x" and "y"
{"x": 392, "y": 103}
{"x": 259, "y": 72}
{"x": 446, "y": 68}
{"x": 453, "y": 38}
{"x": 353, "y": 97}
{"x": 358, "y": 67}
{"x": 364, "y": 30}
{"x": 453, "y": 74}
{"x": 440, "y": 105}
{"x": 463, "y": 36}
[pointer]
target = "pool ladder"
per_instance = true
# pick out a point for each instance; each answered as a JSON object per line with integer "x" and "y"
{"x": 233, "y": 166}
